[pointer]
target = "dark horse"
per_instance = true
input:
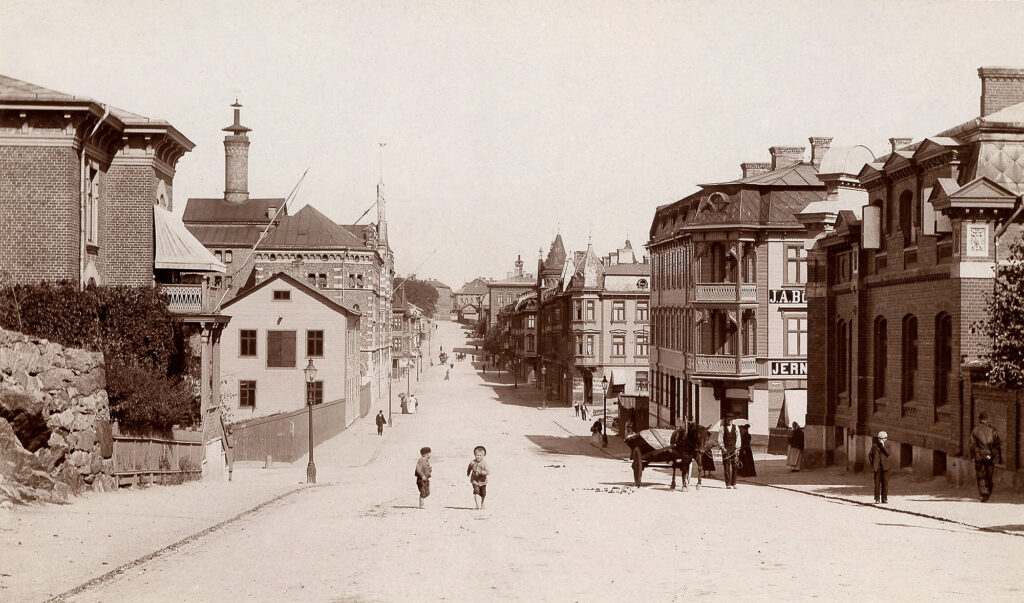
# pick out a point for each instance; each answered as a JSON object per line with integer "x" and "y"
{"x": 690, "y": 442}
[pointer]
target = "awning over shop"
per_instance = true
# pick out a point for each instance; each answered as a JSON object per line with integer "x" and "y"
{"x": 796, "y": 406}
{"x": 177, "y": 249}
{"x": 618, "y": 377}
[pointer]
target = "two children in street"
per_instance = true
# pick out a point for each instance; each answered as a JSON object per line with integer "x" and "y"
{"x": 477, "y": 471}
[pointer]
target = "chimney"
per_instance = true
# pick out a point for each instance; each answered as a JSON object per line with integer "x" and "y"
{"x": 755, "y": 168}
{"x": 271, "y": 210}
{"x": 236, "y": 160}
{"x": 786, "y": 156}
{"x": 519, "y": 265}
{"x": 819, "y": 146}
{"x": 1001, "y": 87}
{"x": 899, "y": 143}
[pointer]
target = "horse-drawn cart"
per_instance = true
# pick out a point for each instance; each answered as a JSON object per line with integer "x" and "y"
{"x": 651, "y": 448}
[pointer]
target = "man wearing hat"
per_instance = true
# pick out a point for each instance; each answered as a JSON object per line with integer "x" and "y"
{"x": 879, "y": 459}
{"x": 423, "y": 474}
{"x": 987, "y": 451}
{"x": 727, "y": 439}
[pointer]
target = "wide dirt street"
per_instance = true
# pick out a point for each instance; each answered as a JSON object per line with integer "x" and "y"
{"x": 563, "y": 523}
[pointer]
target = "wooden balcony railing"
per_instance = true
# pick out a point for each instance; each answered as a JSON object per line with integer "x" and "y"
{"x": 713, "y": 364}
{"x": 725, "y": 292}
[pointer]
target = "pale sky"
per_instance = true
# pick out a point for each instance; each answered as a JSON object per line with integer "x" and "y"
{"x": 505, "y": 121}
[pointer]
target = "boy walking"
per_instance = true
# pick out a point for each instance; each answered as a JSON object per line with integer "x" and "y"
{"x": 478, "y": 472}
{"x": 381, "y": 422}
{"x": 423, "y": 474}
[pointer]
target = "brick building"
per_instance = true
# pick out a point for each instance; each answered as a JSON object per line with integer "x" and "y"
{"x": 78, "y": 183}
{"x": 593, "y": 325}
{"x": 472, "y": 293}
{"x": 896, "y": 284}
{"x": 504, "y": 292}
{"x": 729, "y": 318}
{"x": 351, "y": 264}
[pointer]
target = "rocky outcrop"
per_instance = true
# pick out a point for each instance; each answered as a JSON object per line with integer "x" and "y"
{"x": 55, "y": 436}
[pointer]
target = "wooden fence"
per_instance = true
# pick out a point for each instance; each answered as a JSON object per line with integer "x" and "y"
{"x": 157, "y": 459}
{"x": 284, "y": 437}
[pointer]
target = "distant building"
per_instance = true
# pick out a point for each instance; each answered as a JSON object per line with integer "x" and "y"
{"x": 504, "y": 292}
{"x": 445, "y": 300}
{"x": 277, "y": 327}
{"x": 473, "y": 293}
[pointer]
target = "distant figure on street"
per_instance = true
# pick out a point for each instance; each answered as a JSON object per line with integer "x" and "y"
{"x": 423, "y": 474}
{"x": 447, "y": 375}
{"x": 987, "y": 451}
{"x": 879, "y": 459}
{"x": 413, "y": 402}
{"x": 485, "y": 367}
{"x": 583, "y": 410}
{"x": 746, "y": 454}
{"x": 478, "y": 472}
{"x": 576, "y": 407}
{"x": 727, "y": 440}
{"x": 595, "y": 432}
{"x": 381, "y": 422}
{"x": 795, "y": 453}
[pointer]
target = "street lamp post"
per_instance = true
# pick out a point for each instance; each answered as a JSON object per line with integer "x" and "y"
{"x": 310, "y": 372}
{"x": 604, "y": 432}
{"x": 543, "y": 386}
{"x": 515, "y": 373}
{"x": 407, "y": 371}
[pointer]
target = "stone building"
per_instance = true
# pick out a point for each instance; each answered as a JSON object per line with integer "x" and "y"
{"x": 445, "y": 300}
{"x": 728, "y": 312}
{"x": 472, "y": 293}
{"x": 593, "y": 324}
{"x": 504, "y": 292}
{"x": 351, "y": 264}
{"x": 896, "y": 284}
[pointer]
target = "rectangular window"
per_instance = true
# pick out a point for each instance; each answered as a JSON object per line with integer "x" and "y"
{"x": 92, "y": 202}
{"x": 590, "y": 345}
{"x": 314, "y": 344}
{"x": 529, "y": 343}
{"x": 796, "y": 264}
{"x": 282, "y": 295}
{"x": 315, "y": 392}
{"x": 795, "y": 326}
{"x": 881, "y": 356}
{"x": 321, "y": 281}
{"x": 281, "y": 349}
{"x": 618, "y": 345}
{"x": 642, "y": 311}
{"x": 247, "y": 394}
{"x": 641, "y": 381}
{"x": 909, "y": 358}
{"x": 579, "y": 345}
{"x": 641, "y": 344}
{"x": 247, "y": 342}
{"x": 619, "y": 311}
{"x": 227, "y": 256}
{"x": 578, "y": 308}
{"x": 590, "y": 310}
{"x": 531, "y": 322}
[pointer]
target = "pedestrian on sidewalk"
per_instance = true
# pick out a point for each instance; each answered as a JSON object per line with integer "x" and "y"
{"x": 381, "y": 422}
{"x": 478, "y": 472}
{"x": 413, "y": 402}
{"x": 879, "y": 459}
{"x": 727, "y": 440}
{"x": 583, "y": 410}
{"x": 576, "y": 407}
{"x": 423, "y": 474}
{"x": 795, "y": 453}
{"x": 987, "y": 451}
{"x": 746, "y": 454}
{"x": 595, "y": 432}
{"x": 447, "y": 375}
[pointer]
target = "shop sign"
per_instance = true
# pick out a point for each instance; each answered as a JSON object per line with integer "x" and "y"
{"x": 787, "y": 296}
{"x": 795, "y": 368}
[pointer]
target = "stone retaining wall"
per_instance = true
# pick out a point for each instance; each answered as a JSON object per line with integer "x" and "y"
{"x": 55, "y": 437}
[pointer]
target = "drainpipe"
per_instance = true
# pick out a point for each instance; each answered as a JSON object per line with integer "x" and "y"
{"x": 81, "y": 200}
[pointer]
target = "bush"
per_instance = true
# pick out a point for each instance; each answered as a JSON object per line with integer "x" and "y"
{"x": 1004, "y": 323}
{"x": 143, "y": 400}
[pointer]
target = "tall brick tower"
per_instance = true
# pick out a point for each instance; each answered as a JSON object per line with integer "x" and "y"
{"x": 236, "y": 160}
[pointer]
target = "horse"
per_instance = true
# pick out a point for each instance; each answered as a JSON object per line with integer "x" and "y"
{"x": 690, "y": 442}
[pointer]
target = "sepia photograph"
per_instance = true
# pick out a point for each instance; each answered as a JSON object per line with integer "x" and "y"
{"x": 511, "y": 300}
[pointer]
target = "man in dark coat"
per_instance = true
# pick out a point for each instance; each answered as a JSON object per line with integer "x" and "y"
{"x": 381, "y": 422}
{"x": 987, "y": 451}
{"x": 879, "y": 459}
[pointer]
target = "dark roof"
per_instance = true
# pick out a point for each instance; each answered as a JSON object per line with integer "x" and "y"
{"x": 284, "y": 276}
{"x": 438, "y": 284}
{"x": 309, "y": 228}
{"x": 475, "y": 287}
{"x": 513, "y": 281}
{"x": 215, "y": 235}
{"x": 638, "y": 269}
{"x": 219, "y": 210}
{"x": 556, "y": 255}
{"x": 800, "y": 174}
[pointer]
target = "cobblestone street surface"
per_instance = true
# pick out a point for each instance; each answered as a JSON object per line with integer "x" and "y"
{"x": 563, "y": 523}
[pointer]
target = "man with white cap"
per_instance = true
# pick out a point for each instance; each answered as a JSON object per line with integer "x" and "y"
{"x": 879, "y": 459}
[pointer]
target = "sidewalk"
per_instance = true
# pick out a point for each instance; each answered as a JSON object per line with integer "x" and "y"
{"x": 46, "y": 550}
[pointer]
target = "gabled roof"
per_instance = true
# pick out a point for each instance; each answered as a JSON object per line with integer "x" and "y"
{"x": 798, "y": 174}
{"x": 309, "y": 229}
{"x": 475, "y": 287}
{"x": 637, "y": 269}
{"x": 283, "y": 276}
{"x": 980, "y": 192}
{"x": 252, "y": 211}
{"x": 438, "y": 284}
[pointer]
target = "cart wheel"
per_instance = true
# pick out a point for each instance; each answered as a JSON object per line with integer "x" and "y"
{"x": 638, "y": 466}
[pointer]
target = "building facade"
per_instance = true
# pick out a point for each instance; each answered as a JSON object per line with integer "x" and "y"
{"x": 728, "y": 306}
{"x": 505, "y": 292}
{"x": 472, "y": 292}
{"x": 897, "y": 284}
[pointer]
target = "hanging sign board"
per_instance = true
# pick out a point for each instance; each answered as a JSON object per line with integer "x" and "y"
{"x": 792, "y": 368}
{"x": 787, "y": 296}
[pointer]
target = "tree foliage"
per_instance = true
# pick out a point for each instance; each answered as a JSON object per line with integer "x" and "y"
{"x": 1004, "y": 324}
{"x": 492, "y": 342}
{"x": 422, "y": 294}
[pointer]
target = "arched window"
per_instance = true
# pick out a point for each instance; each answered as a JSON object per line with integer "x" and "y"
{"x": 943, "y": 357}
{"x": 909, "y": 358}
{"x": 881, "y": 355}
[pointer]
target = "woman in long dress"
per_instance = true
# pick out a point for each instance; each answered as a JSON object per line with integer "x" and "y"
{"x": 795, "y": 454}
{"x": 746, "y": 455}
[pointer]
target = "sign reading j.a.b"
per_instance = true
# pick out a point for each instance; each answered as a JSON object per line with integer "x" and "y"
{"x": 794, "y": 368}
{"x": 787, "y": 296}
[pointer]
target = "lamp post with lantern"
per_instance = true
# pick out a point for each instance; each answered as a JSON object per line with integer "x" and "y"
{"x": 604, "y": 432}
{"x": 310, "y": 372}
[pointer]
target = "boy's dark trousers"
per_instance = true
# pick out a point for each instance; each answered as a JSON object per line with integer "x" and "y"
{"x": 881, "y": 485}
{"x": 984, "y": 471}
{"x": 380, "y": 430}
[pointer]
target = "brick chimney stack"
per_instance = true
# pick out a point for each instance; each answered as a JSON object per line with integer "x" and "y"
{"x": 899, "y": 142}
{"x": 752, "y": 168}
{"x": 236, "y": 160}
{"x": 819, "y": 146}
{"x": 519, "y": 265}
{"x": 1001, "y": 87}
{"x": 786, "y": 156}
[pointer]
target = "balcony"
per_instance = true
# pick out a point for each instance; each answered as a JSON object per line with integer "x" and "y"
{"x": 191, "y": 298}
{"x": 725, "y": 366}
{"x": 726, "y": 292}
